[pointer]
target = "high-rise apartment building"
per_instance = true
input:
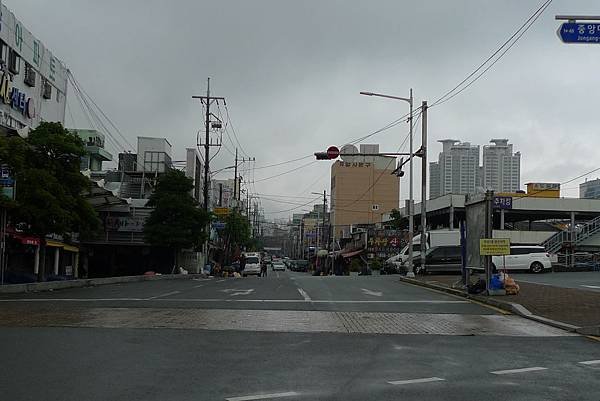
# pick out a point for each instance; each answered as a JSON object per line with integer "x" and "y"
{"x": 501, "y": 167}
{"x": 456, "y": 171}
{"x": 590, "y": 189}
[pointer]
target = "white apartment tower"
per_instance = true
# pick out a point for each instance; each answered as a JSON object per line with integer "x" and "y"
{"x": 456, "y": 171}
{"x": 501, "y": 167}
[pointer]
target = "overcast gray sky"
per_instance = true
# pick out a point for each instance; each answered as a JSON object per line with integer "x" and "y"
{"x": 291, "y": 72}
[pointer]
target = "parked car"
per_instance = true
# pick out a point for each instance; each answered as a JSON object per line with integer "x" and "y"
{"x": 532, "y": 258}
{"x": 300, "y": 266}
{"x": 445, "y": 258}
{"x": 278, "y": 266}
{"x": 252, "y": 266}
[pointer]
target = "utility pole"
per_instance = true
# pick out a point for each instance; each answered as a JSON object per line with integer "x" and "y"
{"x": 411, "y": 220}
{"x": 235, "y": 179}
{"x": 423, "y": 183}
{"x": 326, "y": 246}
{"x": 207, "y": 101}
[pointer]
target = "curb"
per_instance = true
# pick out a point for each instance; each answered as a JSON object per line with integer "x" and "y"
{"x": 511, "y": 307}
{"x": 80, "y": 283}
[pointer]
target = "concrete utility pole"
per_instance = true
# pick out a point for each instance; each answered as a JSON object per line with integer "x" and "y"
{"x": 423, "y": 183}
{"x": 207, "y": 101}
{"x": 235, "y": 179}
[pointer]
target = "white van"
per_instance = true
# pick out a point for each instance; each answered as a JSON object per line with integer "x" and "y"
{"x": 434, "y": 238}
{"x": 532, "y": 258}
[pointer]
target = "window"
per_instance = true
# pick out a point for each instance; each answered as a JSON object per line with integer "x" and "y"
{"x": 14, "y": 61}
{"x": 3, "y": 50}
{"x": 29, "y": 75}
{"x": 47, "y": 93}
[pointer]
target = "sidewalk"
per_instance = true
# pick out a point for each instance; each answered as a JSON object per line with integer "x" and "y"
{"x": 576, "y": 307}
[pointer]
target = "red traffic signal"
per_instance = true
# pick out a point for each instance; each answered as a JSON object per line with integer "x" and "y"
{"x": 332, "y": 153}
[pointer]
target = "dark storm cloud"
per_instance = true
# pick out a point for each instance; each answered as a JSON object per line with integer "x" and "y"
{"x": 292, "y": 70}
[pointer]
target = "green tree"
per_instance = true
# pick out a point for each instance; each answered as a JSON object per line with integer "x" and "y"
{"x": 176, "y": 222}
{"x": 236, "y": 232}
{"x": 396, "y": 220}
{"x": 49, "y": 184}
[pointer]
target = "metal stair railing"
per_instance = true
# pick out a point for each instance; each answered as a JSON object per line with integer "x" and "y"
{"x": 555, "y": 242}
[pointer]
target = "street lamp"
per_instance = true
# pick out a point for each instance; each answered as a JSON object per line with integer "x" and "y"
{"x": 409, "y": 100}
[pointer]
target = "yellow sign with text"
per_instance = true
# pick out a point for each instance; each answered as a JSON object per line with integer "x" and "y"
{"x": 494, "y": 246}
{"x": 221, "y": 211}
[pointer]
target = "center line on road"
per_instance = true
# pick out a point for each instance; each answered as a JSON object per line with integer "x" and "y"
{"x": 594, "y": 362}
{"x": 304, "y": 294}
{"x": 522, "y": 370}
{"x": 414, "y": 381}
{"x": 263, "y": 396}
{"x": 165, "y": 295}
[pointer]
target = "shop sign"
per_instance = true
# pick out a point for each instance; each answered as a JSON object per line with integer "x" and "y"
{"x": 129, "y": 224}
{"x": 16, "y": 98}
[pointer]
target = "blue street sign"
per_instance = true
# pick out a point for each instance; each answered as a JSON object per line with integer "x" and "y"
{"x": 218, "y": 225}
{"x": 578, "y": 32}
{"x": 503, "y": 202}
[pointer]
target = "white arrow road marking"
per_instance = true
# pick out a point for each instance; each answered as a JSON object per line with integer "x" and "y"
{"x": 594, "y": 362}
{"x": 522, "y": 370}
{"x": 304, "y": 295}
{"x": 373, "y": 293}
{"x": 263, "y": 396}
{"x": 414, "y": 381}
{"x": 243, "y": 292}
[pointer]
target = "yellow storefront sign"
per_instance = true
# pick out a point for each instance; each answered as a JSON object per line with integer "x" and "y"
{"x": 494, "y": 247}
{"x": 221, "y": 211}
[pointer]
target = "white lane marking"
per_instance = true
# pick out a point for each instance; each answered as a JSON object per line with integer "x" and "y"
{"x": 228, "y": 300}
{"x": 522, "y": 370}
{"x": 304, "y": 295}
{"x": 243, "y": 292}
{"x": 413, "y": 381}
{"x": 198, "y": 286}
{"x": 220, "y": 281}
{"x": 277, "y": 274}
{"x": 165, "y": 295}
{"x": 597, "y": 287}
{"x": 262, "y": 396}
{"x": 594, "y": 362}
{"x": 372, "y": 293}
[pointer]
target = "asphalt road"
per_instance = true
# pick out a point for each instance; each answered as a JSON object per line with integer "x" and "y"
{"x": 589, "y": 281}
{"x": 289, "y": 336}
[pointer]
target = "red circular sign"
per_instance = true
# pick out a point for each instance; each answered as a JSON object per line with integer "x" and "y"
{"x": 333, "y": 152}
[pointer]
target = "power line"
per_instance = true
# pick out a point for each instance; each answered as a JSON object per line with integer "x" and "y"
{"x": 516, "y": 36}
{"x": 297, "y": 207}
{"x": 286, "y": 172}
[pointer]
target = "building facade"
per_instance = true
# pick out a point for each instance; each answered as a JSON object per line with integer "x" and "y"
{"x": 456, "y": 171}
{"x": 590, "y": 189}
{"x": 33, "y": 85}
{"x": 363, "y": 188}
{"x": 93, "y": 142}
{"x": 501, "y": 167}
{"x": 153, "y": 154}
{"x": 194, "y": 169}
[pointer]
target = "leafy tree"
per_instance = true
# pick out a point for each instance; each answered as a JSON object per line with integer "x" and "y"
{"x": 49, "y": 184}
{"x": 176, "y": 222}
{"x": 236, "y": 232}
{"x": 396, "y": 220}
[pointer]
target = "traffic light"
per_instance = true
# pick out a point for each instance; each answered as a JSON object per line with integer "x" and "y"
{"x": 321, "y": 155}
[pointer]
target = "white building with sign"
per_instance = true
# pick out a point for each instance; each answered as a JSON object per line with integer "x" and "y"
{"x": 33, "y": 82}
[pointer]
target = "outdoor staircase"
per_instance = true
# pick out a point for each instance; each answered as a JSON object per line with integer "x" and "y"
{"x": 562, "y": 238}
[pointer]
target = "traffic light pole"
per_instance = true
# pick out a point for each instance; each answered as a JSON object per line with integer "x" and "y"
{"x": 423, "y": 183}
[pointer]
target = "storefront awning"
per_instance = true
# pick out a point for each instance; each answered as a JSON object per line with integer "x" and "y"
{"x": 352, "y": 253}
{"x": 58, "y": 244}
